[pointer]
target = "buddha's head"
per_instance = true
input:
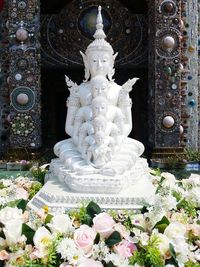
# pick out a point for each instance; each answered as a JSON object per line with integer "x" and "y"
{"x": 99, "y": 106}
{"x": 99, "y": 86}
{"x": 100, "y": 123}
{"x": 99, "y": 56}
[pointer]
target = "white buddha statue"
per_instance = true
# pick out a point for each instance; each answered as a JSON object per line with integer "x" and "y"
{"x": 99, "y": 162}
{"x": 99, "y": 121}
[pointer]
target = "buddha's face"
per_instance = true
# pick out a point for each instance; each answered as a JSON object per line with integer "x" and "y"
{"x": 100, "y": 126}
{"x": 99, "y": 63}
{"x": 99, "y": 138}
{"x": 99, "y": 107}
{"x": 99, "y": 87}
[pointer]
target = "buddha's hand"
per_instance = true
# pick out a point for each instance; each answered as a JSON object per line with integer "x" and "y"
{"x": 129, "y": 84}
{"x": 75, "y": 139}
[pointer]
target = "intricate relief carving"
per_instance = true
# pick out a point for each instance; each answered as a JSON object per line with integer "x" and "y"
{"x": 65, "y": 34}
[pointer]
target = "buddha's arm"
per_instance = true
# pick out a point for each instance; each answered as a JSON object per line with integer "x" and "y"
{"x": 73, "y": 104}
{"x": 125, "y": 104}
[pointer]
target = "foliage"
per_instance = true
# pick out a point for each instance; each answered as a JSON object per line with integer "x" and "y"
{"x": 39, "y": 173}
{"x": 165, "y": 233}
{"x": 148, "y": 255}
{"x": 192, "y": 155}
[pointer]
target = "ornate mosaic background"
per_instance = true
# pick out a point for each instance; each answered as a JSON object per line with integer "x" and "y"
{"x": 70, "y": 31}
{"x": 165, "y": 80}
{"x": 4, "y": 67}
{"x": 190, "y": 90}
{"x": 173, "y": 60}
{"x": 24, "y": 74}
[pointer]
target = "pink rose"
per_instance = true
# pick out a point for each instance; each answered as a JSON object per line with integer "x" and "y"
{"x": 90, "y": 263}
{"x": 125, "y": 248}
{"x": 21, "y": 193}
{"x": 4, "y": 255}
{"x": 84, "y": 238}
{"x": 103, "y": 224}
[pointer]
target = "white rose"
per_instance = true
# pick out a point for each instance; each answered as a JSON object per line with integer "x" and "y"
{"x": 175, "y": 230}
{"x": 170, "y": 179}
{"x": 41, "y": 240}
{"x": 60, "y": 224}
{"x": 8, "y": 214}
{"x": 13, "y": 231}
{"x": 163, "y": 244}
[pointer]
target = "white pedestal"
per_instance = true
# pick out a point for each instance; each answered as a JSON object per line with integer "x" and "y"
{"x": 58, "y": 197}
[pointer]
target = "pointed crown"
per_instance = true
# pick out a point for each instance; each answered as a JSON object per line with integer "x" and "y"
{"x": 99, "y": 43}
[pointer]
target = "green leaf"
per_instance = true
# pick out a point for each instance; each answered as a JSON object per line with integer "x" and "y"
{"x": 144, "y": 210}
{"x": 160, "y": 185}
{"x": 97, "y": 238}
{"x": 93, "y": 209}
{"x": 110, "y": 264}
{"x": 48, "y": 218}
{"x": 28, "y": 232}
{"x": 173, "y": 254}
{"x": 22, "y": 204}
{"x": 162, "y": 224}
{"x": 19, "y": 203}
{"x": 138, "y": 227}
{"x": 113, "y": 239}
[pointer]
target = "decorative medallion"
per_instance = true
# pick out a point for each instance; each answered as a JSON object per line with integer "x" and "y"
{"x": 168, "y": 8}
{"x": 168, "y": 122}
{"x": 22, "y": 125}
{"x": 168, "y": 43}
{"x": 22, "y": 99}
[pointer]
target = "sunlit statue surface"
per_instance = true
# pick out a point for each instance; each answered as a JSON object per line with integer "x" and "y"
{"x": 99, "y": 157}
{"x": 99, "y": 162}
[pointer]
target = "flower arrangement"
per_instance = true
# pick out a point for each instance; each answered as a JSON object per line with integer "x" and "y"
{"x": 165, "y": 233}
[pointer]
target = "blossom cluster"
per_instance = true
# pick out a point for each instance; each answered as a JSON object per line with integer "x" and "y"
{"x": 16, "y": 189}
{"x": 164, "y": 233}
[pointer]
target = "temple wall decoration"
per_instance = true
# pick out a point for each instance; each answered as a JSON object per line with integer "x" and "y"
{"x": 24, "y": 74}
{"x": 171, "y": 57}
{"x": 173, "y": 83}
{"x": 64, "y": 34}
{"x": 190, "y": 90}
{"x": 4, "y": 67}
{"x": 165, "y": 78}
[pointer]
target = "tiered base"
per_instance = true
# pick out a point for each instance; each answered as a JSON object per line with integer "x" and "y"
{"x": 58, "y": 197}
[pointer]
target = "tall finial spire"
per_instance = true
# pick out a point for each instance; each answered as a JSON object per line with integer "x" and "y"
{"x": 99, "y": 34}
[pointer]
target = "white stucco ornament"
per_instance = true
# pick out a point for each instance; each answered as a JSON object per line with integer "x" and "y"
{"x": 99, "y": 161}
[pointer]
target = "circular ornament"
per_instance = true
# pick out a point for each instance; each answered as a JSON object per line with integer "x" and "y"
{"x": 168, "y": 122}
{"x": 29, "y": 16}
{"x": 21, "y": 34}
{"x": 22, "y": 99}
{"x": 168, "y": 43}
{"x": 18, "y": 76}
{"x": 174, "y": 86}
{"x": 22, "y": 125}
{"x": 168, "y": 8}
{"x": 22, "y": 64}
{"x": 22, "y": 5}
